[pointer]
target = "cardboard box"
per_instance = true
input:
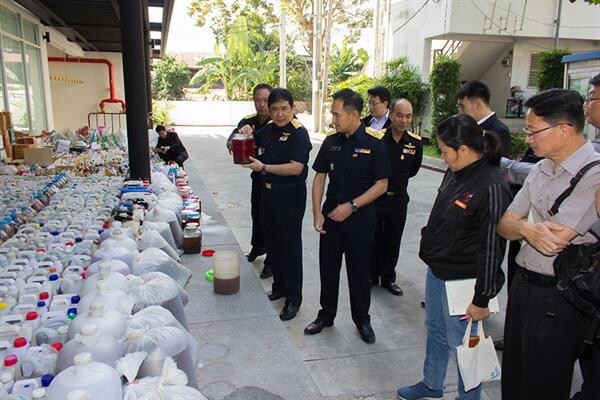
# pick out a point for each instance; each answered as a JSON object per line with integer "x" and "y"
{"x": 18, "y": 150}
{"x": 42, "y": 156}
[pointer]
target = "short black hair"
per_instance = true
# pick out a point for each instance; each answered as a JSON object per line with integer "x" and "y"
{"x": 595, "y": 81}
{"x": 352, "y": 100}
{"x": 261, "y": 86}
{"x": 558, "y": 105}
{"x": 476, "y": 89}
{"x": 160, "y": 128}
{"x": 278, "y": 94}
{"x": 462, "y": 129}
{"x": 382, "y": 92}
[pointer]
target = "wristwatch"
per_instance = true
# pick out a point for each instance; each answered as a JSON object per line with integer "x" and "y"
{"x": 263, "y": 170}
{"x": 354, "y": 206}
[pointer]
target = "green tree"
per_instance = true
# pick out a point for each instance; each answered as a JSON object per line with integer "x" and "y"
{"x": 221, "y": 14}
{"x": 444, "y": 81}
{"x": 403, "y": 80}
{"x": 239, "y": 68}
{"x": 359, "y": 83}
{"x": 169, "y": 77}
{"x": 551, "y": 72}
{"x": 345, "y": 62}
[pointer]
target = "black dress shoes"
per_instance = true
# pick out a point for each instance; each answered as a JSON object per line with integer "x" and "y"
{"x": 253, "y": 254}
{"x": 316, "y": 326}
{"x": 289, "y": 311}
{"x": 393, "y": 288}
{"x": 273, "y": 295}
{"x": 366, "y": 333}
{"x": 266, "y": 272}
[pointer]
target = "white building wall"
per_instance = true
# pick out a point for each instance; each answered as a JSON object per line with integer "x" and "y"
{"x": 72, "y": 102}
{"x": 522, "y": 54}
{"x": 497, "y": 78}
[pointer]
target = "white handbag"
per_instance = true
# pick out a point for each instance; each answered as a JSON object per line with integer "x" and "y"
{"x": 478, "y": 363}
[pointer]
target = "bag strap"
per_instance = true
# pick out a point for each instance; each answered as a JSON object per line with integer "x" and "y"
{"x": 574, "y": 181}
{"x": 467, "y": 334}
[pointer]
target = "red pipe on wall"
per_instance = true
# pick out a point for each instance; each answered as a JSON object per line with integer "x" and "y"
{"x": 112, "y": 98}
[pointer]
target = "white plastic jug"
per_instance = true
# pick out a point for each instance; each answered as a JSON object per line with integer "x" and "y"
{"x": 99, "y": 380}
{"x": 103, "y": 348}
{"x": 109, "y": 321}
{"x": 115, "y": 280}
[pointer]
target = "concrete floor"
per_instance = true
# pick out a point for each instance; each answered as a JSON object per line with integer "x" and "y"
{"x": 246, "y": 352}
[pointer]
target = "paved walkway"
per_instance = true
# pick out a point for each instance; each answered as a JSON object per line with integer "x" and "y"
{"x": 246, "y": 352}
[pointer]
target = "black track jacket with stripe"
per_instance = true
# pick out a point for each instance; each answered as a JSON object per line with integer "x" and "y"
{"x": 460, "y": 239}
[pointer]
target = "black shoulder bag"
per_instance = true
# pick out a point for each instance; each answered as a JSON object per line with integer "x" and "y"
{"x": 577, "y": 269}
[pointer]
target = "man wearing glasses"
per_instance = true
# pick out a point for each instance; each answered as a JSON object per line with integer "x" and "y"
{"x": 379, "y": 104}
{"x": 543, "y": 333}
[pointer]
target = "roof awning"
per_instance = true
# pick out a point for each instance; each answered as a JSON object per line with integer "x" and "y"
{"x": 95, "y": 25}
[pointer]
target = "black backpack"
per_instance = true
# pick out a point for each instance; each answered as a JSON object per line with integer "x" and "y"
{"x": 577, "y": 269}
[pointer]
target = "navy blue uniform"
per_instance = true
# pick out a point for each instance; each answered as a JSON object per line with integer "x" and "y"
{"x": 257, "y": 241}
{"x": 405, "y": 158}
{"x": 283, "y": 202}
{"x": 353, "y": 165}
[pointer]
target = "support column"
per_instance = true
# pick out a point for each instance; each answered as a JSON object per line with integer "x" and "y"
{"x": 132, "y": 33}
{"x": 148, "y": 57}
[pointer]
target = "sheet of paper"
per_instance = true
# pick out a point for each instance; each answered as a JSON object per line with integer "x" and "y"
{"x": 460, "y": 294}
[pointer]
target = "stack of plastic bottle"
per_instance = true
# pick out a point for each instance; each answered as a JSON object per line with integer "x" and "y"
{"x": 80, "y": 305}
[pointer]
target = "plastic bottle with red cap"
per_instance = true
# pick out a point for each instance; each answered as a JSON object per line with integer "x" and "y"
{"x": 19, "y": 348}
{"x": 32, "y": 319}
{"x": 10, "y": 365}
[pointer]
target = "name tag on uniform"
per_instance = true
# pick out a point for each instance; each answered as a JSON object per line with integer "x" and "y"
{"x": 362, "y": 151}
{"x": 335, "y": 148}
{"x": 261, "y": 151}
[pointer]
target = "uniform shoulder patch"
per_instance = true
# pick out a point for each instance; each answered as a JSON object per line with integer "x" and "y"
{"x": 375, "y": 133}
{"x": 250, "y": 116}
{"x": 414, "y": 135}
{"x": 296, "y": 123}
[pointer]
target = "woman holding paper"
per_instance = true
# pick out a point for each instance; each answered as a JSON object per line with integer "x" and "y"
{"x": 460, "y": 242}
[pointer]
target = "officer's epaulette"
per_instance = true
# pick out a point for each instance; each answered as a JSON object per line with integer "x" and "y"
{"x": 250, "y": 116}
{"x": 414, "y": 135}
{"x": 375, "y": 133}
{"x": 296, "y": 123}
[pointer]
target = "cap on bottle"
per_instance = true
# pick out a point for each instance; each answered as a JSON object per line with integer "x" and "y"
{"x": 41, "y": 303}
{"x": 2, "y": 306}
{"x": 75, "y": 299}
{"x": 57, "y": 346}
{"x": 20, "y": 342}
{"x": 72, "y": 310}
{"x": 53, "y": 278}
{"x": 44, "y": 296}
{"x": 31, "y": 316}
{"x": 46, "y": 379}
{"x": 10, "y": 361}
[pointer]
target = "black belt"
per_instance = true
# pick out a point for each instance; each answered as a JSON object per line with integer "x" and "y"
{"x": 536, "y": 278}
{"x": 270, "y": 186}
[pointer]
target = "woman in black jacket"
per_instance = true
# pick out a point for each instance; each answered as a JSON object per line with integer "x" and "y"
{"x": 460, "y": 242}
{"x": 169, "y": 147}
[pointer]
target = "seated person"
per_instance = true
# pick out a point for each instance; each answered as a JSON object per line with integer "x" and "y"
{"x": 169, "y": 147}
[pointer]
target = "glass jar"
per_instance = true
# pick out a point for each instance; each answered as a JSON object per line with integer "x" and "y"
{"x": 192, "y": 239}
{"x": 243, "y": 148}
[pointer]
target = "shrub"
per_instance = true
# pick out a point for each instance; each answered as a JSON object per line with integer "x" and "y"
{"x": 444, "y": 81}
{"x": 551, "y": 72}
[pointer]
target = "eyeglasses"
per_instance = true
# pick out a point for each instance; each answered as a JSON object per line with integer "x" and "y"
{"x": 590, "y": 99}
{"x": 371, "y": 104}
{"x": 529, "y": 134}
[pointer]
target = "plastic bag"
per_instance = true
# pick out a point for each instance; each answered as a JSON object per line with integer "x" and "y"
{"x": 117, "y": 253}
{"x": 111, "y": 298}
{"x": 160, "y": 214}
{"x": 153, "y": 239}
{"x": 129, "y": 364}
{"x": 161, "y": 227}
{"x": 170, "y": 385}
{"x": 160, "y": 183}
{"x": 156, "y": 260}
{"x": 157, "y": 288}
{"x": 120, "y": 239}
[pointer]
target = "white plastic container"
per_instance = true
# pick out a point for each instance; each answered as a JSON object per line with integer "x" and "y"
{"x": 103, "y": 348}
{"x": 25, "y": 387}
{"x": 8, "y": 380}
{"x": 108, "y": 321}
{"x": 20, "y": 347}
{"x": 99, "y": 380}
{"x": 115, "y": 280}
{"x": 78, "y": 394}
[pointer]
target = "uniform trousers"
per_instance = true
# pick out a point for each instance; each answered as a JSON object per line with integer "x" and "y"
{"x": 351, "y": 238}
{"x": 282, "y": 211}
{"x": 257, "y": 241}
{"x": 543, "y": 337}
{"x": 385, "y": 251}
